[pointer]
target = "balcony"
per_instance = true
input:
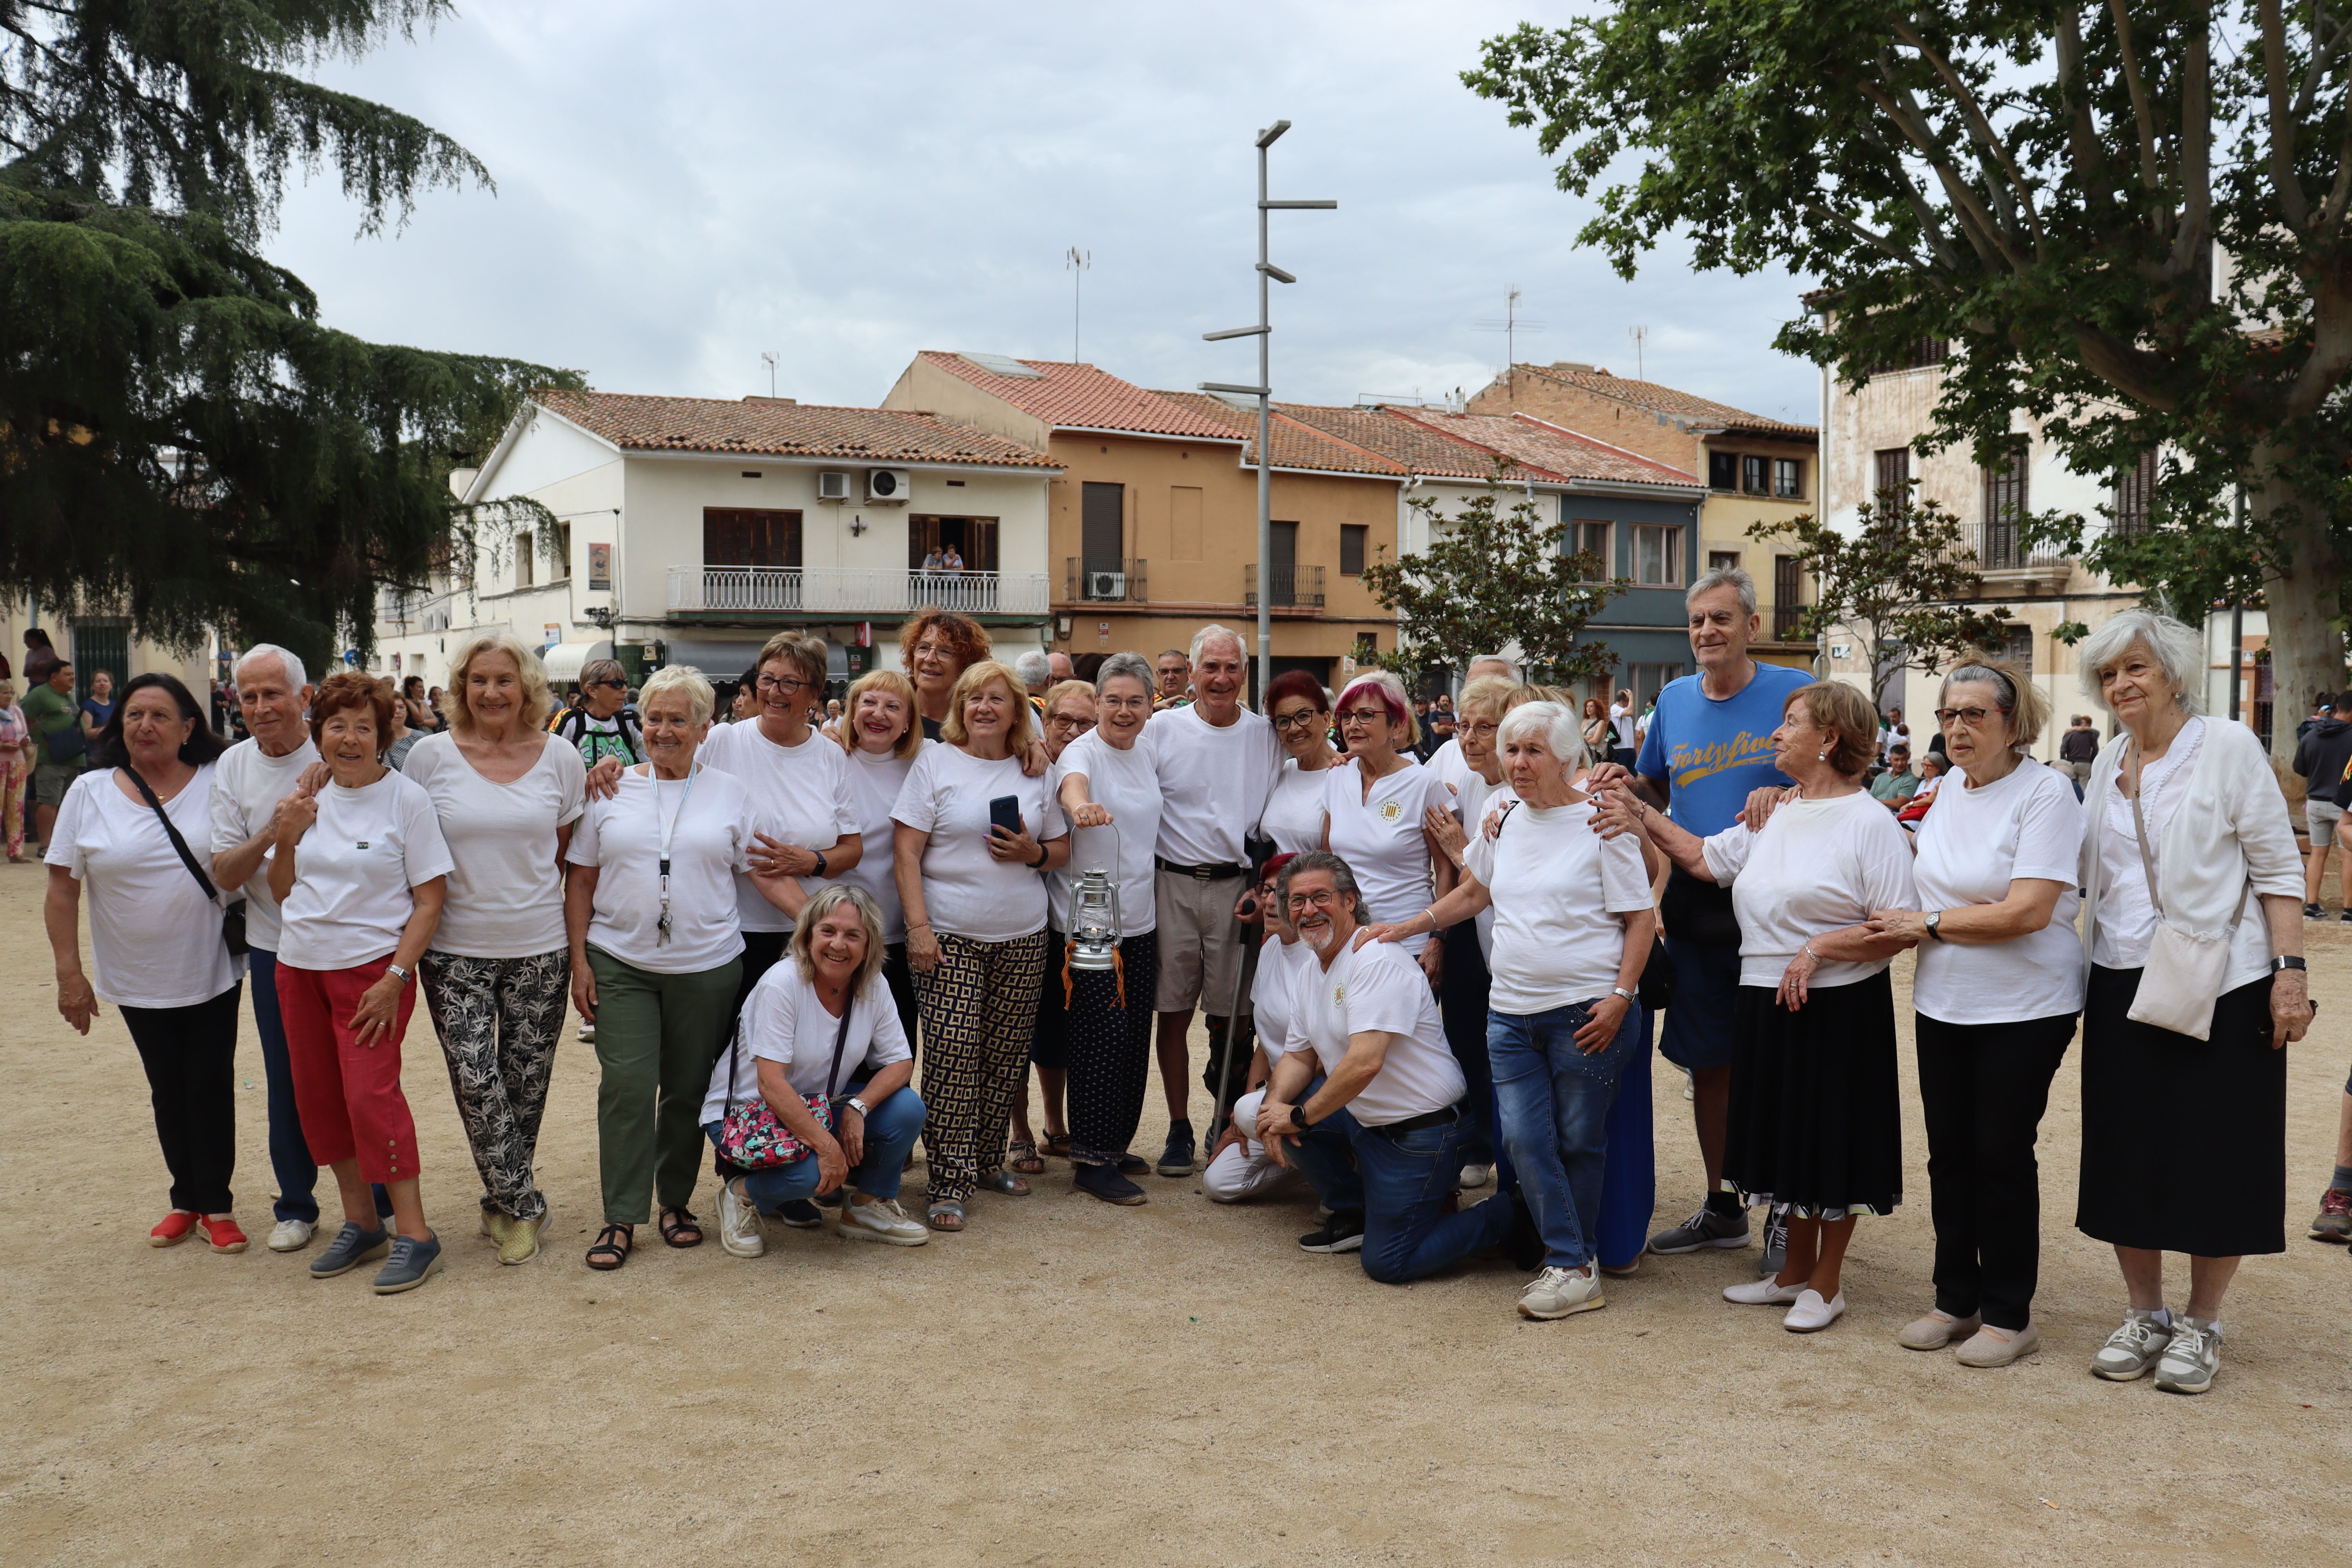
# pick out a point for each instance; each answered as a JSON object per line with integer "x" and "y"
{"x": 1788, "y": 622}
{"x": 1287, "y": 587}
{"x": 1103, "y": 584}
{"x": 855, "y": 593}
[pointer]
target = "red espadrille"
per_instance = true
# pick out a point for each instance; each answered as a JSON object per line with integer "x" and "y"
{"x": 224, "y": 1233}
{"x": 173, "y": 1229}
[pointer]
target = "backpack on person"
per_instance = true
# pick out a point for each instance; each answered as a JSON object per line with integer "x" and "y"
{"x": 625, "y": 739}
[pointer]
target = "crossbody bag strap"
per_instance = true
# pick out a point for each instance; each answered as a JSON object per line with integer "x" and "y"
{"x": 188, "y": 858}
{"x": 840, "y": 1040}
{"x": 2140, "y": 825}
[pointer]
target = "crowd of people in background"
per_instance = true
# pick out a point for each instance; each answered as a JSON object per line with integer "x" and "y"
{"x": 1435, "y": 939}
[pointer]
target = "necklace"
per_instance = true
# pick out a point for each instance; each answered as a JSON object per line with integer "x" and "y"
{"x": 668, "y": 829}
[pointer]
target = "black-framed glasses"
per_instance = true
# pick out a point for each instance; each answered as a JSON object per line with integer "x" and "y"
{"x": 1973, "y": 718}
{"x": 1064, "y": 721}
{"x": 1362, "y": 716}
{"x": 1481, "y": 728}
{"x": 784, "y": 684}
{"x": 1303, "y": 719}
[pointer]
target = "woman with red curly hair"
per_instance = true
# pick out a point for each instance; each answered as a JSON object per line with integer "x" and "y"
{"x": 937, "y": 647}
{"x": 359, "y": 871}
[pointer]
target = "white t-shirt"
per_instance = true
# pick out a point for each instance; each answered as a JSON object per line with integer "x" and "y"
{"x": 1559, "y": 888}
{"x": 1474, "y": 800}
{"x": 784, "y": 1022}
{"x": 1447, "y": 764}
{"x": 874, "y": 785}
{"x": 506, "y": 888}
{"x": 246, "y": 787}
{"x": 156, "y": 938}
{"x": 2027, "y": 824}
{"x": 1620, "y": 724}
{"x": 1213, "y": 783}
{"x": 1293, "y": 813}
{"x": 804, "y": 789}
{"x": 710, "y": 844}
{"x": 1381, "y": 837}
{"x": 1379, "y": 986}
{"x": 1274, "y": 994}
{"x": 353, "y": 870}
{"x": 1818, "y": 867}
{"x": 1127, "y": 782}
{"x": 966, "y": 892}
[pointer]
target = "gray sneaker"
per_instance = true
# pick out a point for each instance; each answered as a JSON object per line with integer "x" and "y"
{"x": 351, "y": 1247}
{"x": 1558, "y": 1292}
{"x": 1776, "y": 1242}
{"x": 2192, "y": 1359}
{"x": 2131, "y": 1349}
{"x": 411, "y": 1263}
{"x": 1704, "y": 1228}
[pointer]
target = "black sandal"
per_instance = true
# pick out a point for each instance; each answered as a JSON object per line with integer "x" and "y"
{"x": 680, "y": 1222}
{"x": 609, "y": 1253}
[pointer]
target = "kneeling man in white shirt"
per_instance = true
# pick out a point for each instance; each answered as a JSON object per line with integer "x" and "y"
{"x": 1381, "y": 1130}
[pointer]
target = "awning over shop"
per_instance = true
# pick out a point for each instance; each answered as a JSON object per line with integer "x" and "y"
{"x": 564, "y": 661}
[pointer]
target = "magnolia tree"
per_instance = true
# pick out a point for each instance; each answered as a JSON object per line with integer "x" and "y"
{"x": 2128, "y": 220}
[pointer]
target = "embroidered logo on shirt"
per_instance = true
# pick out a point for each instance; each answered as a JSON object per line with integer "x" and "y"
{"x": 1339, "y": 994}
{"x": 362, "y": 844}
{"x": 1391, "y": 810}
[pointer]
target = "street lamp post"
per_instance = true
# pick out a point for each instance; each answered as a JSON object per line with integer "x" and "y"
{"x": 1263, "y": 392}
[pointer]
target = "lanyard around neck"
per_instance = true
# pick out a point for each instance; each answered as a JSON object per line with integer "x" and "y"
{"x": 667, "y": 828}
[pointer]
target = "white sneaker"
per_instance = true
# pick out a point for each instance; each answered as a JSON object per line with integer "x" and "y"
{"x": 882, "y": 1220}
{"x": 2190, "y": 1362}
{"x": 2131, "y": 1349}
{"x": 1766, "y": 1292}
{"x": 1558, "y": 1293}
{"x": 1811, "y": 1314}
{"x": 1476, "y": 1176}
{"x": 588, "y": 1034}
{"x": 292, "y": 1236}
{"x": 740, "y": 1231}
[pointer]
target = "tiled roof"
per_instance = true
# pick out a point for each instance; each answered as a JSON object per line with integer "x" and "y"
{"x": 1297, "y": 444}
{"x": 1547, "y": 449}
{"x": 1417, "y": 447}
{"x": 1079, "y": 396}
{"x": 766, "y": 428}
{"x": 1649, "y": 395}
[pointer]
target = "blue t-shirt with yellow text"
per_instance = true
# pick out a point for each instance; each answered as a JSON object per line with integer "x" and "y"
{"x": 1713, "y": 754}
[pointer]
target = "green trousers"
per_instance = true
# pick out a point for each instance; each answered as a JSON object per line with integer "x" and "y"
{"x": 657, "y": 1038}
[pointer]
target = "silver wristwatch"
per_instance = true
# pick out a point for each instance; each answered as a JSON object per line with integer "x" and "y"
{"x": 402, "y": 975}
{"x": 857, "y": 1105}
{"x": 1933, "y": 919}
{"x": 1621, "y": 991}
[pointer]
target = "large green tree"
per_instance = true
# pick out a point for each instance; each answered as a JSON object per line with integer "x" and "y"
{"x": 182, "y": 438}
{"x": 2128, "y": 220}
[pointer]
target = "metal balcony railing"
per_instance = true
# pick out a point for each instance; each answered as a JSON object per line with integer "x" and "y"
{"x": 855, "y": 591}
{"x": 1104, "y": 584}
{"x": 1295, "y": 587}
{"x": 1787, "y": 623}
{"x": 2000, "y": 548}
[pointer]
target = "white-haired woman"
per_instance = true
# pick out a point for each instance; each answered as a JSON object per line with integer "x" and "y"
{"x": 820, "y": 1026}
{"x": 657, "y": 949}
{"x": 1572, "y": 928}
{"x": 1375, "y": 812}
{"x": 1108, "y": 784}
{"x": 2193, "y": 922}
{"x": 506, "y": 794}
{"x": 881, "y": 735}
{"x": 1999, "y": 983}
{"x": 1815, "y": 1118}
{"x": 970, "y": 864}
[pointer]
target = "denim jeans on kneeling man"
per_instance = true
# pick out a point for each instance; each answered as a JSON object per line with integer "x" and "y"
{"x": 1555, "y": 1103}
{"x": 1399, "y": 1183}
{"x": 890, "y": 1133}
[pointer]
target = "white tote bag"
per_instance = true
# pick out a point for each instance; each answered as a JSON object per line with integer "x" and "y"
{"x": 2183, "y": 978}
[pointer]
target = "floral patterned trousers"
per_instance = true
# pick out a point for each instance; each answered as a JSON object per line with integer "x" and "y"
{"x": 499, "y": 1019}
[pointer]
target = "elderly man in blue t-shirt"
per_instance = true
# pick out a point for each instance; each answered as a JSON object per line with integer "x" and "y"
{"x": 1709, "y": 744}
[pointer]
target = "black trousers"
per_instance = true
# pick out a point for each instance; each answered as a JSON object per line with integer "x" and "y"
{"x": 1982, "y": 1089}
{"x": 762, "y": 949}
{"x": 190, "y": 1056}
{"x": 900, "y": 978}
{"x": 1109, "y": 1046}
{"x": 1461, "y": 1005}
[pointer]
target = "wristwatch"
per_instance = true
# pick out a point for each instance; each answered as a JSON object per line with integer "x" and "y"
{"x": 1935, "y": 918}
{"x": 2288, "y": 961}
{"x": 1298, "y": 1118}
{"x": 1039, "y": 863}
{"x": 404, "y": 975}
{"x": 1621, "y": 991}
{"x": 819, "y": 861}
{"x": 855, "y": 1104}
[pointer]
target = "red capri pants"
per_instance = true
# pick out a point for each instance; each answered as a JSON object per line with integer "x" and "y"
{"x": 347, "y": 1094}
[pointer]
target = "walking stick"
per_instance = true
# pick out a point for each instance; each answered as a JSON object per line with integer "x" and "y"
{"x": 1260, "y": 851}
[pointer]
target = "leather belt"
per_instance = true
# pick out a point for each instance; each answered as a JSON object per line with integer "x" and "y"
{"x": 1202, "y": 873}
{"x": 1415, "y": 1123}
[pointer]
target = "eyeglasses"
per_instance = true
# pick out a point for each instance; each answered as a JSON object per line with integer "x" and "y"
{"x": 1064, "y": 721}
{"x": 1973, "y": 718}
{"x": 784, "y": 684}
{"x": 1319, "y": 899}
{"x": 1481, "y": 728}
{"x": 614, "y": 685}
{"x": 1303, "y": 719}
{"x": 1129, "y": 704}
{"x": 934, "y": 651}
{"x": 1362, "y": 716}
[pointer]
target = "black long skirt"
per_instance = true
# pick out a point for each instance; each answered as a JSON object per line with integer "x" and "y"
{"x": 2184, "y": 1141}
{"x": 1816, "y": 1114}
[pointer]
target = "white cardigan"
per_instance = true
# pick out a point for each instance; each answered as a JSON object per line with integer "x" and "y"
{"x": 2229, "y": 830}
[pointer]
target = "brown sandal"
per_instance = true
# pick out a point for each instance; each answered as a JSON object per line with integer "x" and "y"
{"x": 1057, "y": 1144}
{"x": 1020, "y": 1154}
{"x": 680, "y": 1228}
{"x": 613, "y": 1246}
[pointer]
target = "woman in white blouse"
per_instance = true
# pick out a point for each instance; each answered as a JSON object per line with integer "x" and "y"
{"x": 1815, "y": 1118}
{"x": 973, "y": 831}
{"x": 155, "y": 932}
{"x": 500, "y": 970}
{"x": 1573, "y": 923}
{"x": 1301, "y": 711}
{"x": 1999, "y": 981}
{"x": 879, "y": 735}
{"x": 359, "y": 871}
{"x": 1109, "y": 788}
{"x": 1375, "y": 812}
{"x": 656, "y": 950}
{"x": 2192, "y": 891}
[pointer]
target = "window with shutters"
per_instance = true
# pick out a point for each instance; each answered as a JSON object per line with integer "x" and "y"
{"x": 1351, "y": 548}
{"x": 1787, "y": 597}
{"x": 735, "y": 536}
{"x": 526, "y": 553}
{"x": 2134, "y": 489}
{"x": 1892, "y": 491}
{"x": 2004, "y": 512}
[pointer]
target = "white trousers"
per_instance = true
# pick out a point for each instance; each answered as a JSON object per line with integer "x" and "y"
{"x": 1245, "y": 1170}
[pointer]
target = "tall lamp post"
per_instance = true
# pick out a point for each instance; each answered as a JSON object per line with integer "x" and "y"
{"x": 1263, "y": 392}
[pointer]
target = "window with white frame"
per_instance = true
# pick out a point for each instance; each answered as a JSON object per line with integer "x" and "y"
{"x": 1657, "y": 555}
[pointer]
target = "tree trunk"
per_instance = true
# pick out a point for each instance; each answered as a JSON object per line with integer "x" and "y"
{"x": 2301, "y": 591}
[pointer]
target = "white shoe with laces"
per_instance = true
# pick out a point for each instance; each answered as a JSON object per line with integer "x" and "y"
{"x": 882, "y": 1220}
{"x": 1558, "y": 1292}
{"x": 2131, "y": 1349}
{"x": 2192, "y": 1360}
{"x": 291, "y": 1234}
{"x": 740, "y": 1231}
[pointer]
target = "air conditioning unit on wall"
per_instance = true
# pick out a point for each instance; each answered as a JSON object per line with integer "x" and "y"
{"x": 832, "y": 484}
{"x": 890, "y": 485}
{"x": 1105, "y": 584}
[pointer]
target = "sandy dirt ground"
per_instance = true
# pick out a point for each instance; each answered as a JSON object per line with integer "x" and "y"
{"x": 1070, "y": 1382}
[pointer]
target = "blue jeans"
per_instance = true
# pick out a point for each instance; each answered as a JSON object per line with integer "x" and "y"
{"x": 1555, "y": 1101}
{"x": 890, "y": 1133}
{"x": 1398, "y": 1182}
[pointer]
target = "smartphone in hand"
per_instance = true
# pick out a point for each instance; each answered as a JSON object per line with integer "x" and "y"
{"x": 1004, "y": 814}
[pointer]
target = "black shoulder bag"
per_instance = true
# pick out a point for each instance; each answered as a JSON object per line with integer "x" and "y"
{"x": 232, "y": 915}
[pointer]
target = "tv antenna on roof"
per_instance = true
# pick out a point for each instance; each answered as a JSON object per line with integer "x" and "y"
{"x": 1511, "y": 325}
{"x": 768, "y": 358}
{"x": 1075, "y": 266}
{"x": 1640, "y": 336}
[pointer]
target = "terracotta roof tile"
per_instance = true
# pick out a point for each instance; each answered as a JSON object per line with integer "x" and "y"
{"x": 1079, "y": 396}
{"x": 762, "y": 428}
{"x": 1416, "y": 447}
{"x": 1297, "y": 444}
{"x": 1549, "y": 449}
{"x": 1656, "y": 399}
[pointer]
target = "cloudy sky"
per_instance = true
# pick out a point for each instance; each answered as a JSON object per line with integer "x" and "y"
{"x": 682, "y": 186}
